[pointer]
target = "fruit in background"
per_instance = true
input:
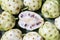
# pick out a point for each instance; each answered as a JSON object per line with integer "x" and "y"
{"x": 30, "y": 20}
{"x": 32, "y": 36}
{"x": 33, "y": 4}
{"x": 0, "y": 2}
{"x": 13, "y": 34}
{"x": 49, "y": 31}
{"x": 7, "y": 21}
{"x": 57, "y": 23}
{"x": 50, "y": 9}
{"x": 12, "y": 6}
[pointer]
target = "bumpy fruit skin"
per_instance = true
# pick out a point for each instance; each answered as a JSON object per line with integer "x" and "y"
{"x": 49, "y": 31}
{"x": 30, "y": 20}
{"x": 57, "y": 23}
{"x": 13, "y": 34}
{"x": 12, "y": 6}
{"x": 33, "y": 4}
{"x": 7, "y": 21}
{"x": 50, "y": 9}
{"x": 32, "y": 36}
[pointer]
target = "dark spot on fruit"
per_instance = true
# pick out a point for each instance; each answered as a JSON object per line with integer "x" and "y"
{"x": 17, "y": 8}
{"x": 13, "y": 21}
{"x": 34, "y": 6}
{"x": 18, "y": 32}
{"x": 2, "y": 18}
{"x": 0, "y": 24}
{"x": 33, "y": 38}
{"x": 21, "y": 15}
{"x": 4, "y": 14}
{"x": 9, "y": 5}
{"x": 11, "y": 11}
{"x": 54, "y": 11}
{"x": 50, "y": 3}
{"x": 13, "y": 0}
{"x": 25, "y": 25}
{"x": 32, "y": 15}
{"x": 33, "y": 25}
{"x": 38, "y": 23}
{"x": 51, "y": 35}
{"x": 8, "y": 20}
{"x": 55, "y": 37}
{"x": 33, "y": 1}
{"x": 44, "y": 34}
{"x": 10, "y": 34}
{"x": 29, "y": 14}
{"x": 38, "y": 1}
{"x": 10, "y": 25}
{"x": 8, "y": 0}
{"x": 17, "y": 2}
{"x": 49, "y": 30}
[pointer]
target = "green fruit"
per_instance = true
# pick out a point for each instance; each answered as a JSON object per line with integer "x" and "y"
{"x": 32, "y": 36}
{"x": 13, "y": 34}
{"x": 33, "y": 4}
{"x": 7, "y": 21}
{"x": 0, "y": 2}
{"x": 49, "y": 31}
{"x": 12, "y": 6}
{"x": 50, "y": 9}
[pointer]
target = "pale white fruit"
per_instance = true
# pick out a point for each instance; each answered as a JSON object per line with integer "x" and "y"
{"x": 30, "y": 20}
{"x": 57, "y": 23}
{"x": 32, "y": 36}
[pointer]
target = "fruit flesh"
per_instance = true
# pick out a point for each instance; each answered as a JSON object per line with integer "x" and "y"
{"x": 30, "y": 20}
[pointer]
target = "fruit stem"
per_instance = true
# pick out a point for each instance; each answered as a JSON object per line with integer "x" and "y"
{"x": 25, "y": 8}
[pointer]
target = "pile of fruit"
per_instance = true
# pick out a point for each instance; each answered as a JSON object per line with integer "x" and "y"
{"x": 30, "y": 19}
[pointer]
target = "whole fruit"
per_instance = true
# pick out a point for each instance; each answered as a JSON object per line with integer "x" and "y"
{"x": 49, "y": 31}
{"x": 12, "y": 6}
{"x": 13, "y": 34}
{"x": 50, "y": 9}
{"x": 7, "y": 21}
{"x": 33, "y": 4}
{"x": 32, "y": 36}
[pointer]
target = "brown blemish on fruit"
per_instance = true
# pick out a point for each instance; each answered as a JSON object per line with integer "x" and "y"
{"x": 10, "y": 25}
{"x": 8, "y": 20}
{"x": 33, "y": 5}
{"x": 17, "y": 8}
{"x": 13, "y": 0}
{"x": 2, "y": 18}
{"x": 10, "y": 34}
{"x": 9, "y": 5}
{"x": 4, "y": 14}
